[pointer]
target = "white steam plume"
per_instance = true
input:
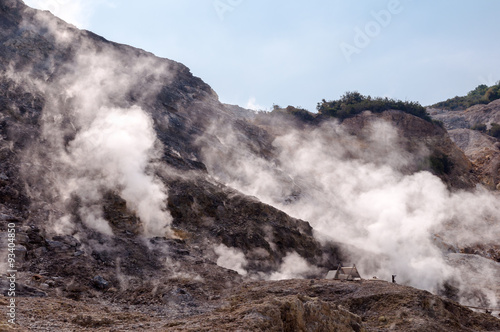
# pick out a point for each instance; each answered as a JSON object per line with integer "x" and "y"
{"x": 293, "y": 267}
{"x": 231, "y": 258}
{"x": 355, "y": 192}
{"x": 114, "y": 153}
{"x": 96, "y": 139}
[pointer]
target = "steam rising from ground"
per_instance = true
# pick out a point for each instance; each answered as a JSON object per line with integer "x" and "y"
{"x": 97, "y": 139}
{"x": 114, "y": 153}
{"x": 293, "y": 266}
{"x": 353, "y": 192}
{"x": 231, "y": 258}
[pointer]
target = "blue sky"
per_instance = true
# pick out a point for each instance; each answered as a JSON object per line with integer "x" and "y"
{"x": 257, "y": 53}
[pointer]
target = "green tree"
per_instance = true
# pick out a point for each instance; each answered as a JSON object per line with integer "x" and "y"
{"x": 493, "y": 93}
{"x": 482, "y": 94}
{"x": 479, "y": 91}
{"x": 352, "y": 103}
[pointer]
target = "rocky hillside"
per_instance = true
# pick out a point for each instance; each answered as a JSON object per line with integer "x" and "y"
{"x": 139, "y": 201}
{"x": 482, "y": 149}
{"x": 474, "y": 115}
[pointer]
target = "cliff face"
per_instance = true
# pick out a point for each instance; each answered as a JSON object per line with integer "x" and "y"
{"x": 481, "y": 149}
{"x": 484, "y": 153}
{"x": 127, "y": 181}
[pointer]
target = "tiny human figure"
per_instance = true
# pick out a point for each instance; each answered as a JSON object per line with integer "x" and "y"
{"x": 394, "y": 278}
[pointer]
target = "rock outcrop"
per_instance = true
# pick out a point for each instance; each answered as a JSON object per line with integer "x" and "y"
{"x": 482, "y": 150}
{"x": 474, "y": 115}
{"x": 484, "y": 153}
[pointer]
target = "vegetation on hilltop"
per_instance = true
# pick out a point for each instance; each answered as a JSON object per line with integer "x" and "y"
{"x": 297, "y": 112}
{"x": 482, "y": 94}
{"x": 352, "y": 103}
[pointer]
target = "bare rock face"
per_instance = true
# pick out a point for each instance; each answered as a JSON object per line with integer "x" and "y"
{"x": 477, "y": 114}
{"x": 482, "y": 150}
{"x": 206, "y": 213}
